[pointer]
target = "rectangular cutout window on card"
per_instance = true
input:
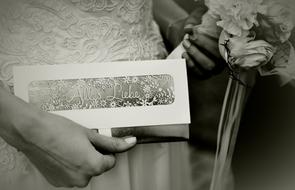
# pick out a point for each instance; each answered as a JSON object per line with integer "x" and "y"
{"x": 107, "y": 92}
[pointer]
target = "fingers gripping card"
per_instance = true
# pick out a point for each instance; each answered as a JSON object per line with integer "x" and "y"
{"x": 116, "y": 95}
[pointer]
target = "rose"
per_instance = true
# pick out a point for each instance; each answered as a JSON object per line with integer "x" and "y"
{"x": 235, "y": 16}
{"x": 276, "y": 24}
{"x": 245, "y": 52}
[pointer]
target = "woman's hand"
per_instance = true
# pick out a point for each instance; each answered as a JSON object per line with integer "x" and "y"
{"x": 202, "y": 52}
{"x": 66, "y": 153}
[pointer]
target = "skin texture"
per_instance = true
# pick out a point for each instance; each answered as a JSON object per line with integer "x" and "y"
{"x": 207, "y": 80}
{"x": 202, "y": 51}
{"x": 171, "y": 19}
{"x": 56, "y": 145}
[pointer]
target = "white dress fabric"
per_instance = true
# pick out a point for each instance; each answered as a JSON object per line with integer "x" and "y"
{"x": 86, "y": 31}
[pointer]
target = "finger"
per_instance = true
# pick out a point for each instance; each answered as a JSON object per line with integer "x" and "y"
{"x": 111, "y": 144}
{"x": 193, "y": 68}
{"x": 186, "y": 37}
{"x": 109, "y": 161}
{"x": 189, "y": 61}
{"x": 102, "y": 163}
{"x": 201, "y": 59}
{"x": 207, "y": 43}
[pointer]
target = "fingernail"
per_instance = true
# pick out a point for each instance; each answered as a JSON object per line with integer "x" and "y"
{"x": 186, "y": 43}
{"x": 186, "y": 37}
{"x": 130, "y": 140}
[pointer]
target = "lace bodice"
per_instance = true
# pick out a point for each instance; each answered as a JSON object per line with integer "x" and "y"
{"x": 75, "y": 31}
{"x": 72, "y": 31}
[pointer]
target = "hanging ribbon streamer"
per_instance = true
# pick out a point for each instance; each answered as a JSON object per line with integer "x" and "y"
{"x": 235, "y": 98}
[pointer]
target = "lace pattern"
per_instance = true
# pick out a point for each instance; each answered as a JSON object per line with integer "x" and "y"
{"x": 12, "y": 164}
{"x": 71, "y": 31}
{"x": 60, "y": 32}
{"x": 96, "y": 93}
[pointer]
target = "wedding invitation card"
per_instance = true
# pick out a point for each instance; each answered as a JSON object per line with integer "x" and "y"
{"x": 148, "y": 99}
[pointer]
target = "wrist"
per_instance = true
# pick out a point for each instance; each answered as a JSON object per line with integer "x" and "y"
{"x": 175, "y": 32}
{"x": 18, "y": 120}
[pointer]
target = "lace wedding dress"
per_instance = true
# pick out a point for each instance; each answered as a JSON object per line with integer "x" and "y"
{"x": 86, "y": 31}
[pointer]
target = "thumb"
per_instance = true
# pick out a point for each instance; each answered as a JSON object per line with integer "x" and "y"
{"x": 111, "y": 144}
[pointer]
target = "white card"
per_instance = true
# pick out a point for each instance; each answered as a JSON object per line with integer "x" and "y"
{"x": 109, "y": 95}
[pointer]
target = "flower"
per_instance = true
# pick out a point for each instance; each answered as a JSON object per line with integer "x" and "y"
{"x": 135, "y": 79}
{"x": 256, "y": 31}
{"x": 103, "y": 103}
{"x": 271, "y": 19}
{"x": 113, "y": 104}
{"x": 144, "y": 103}
{"x": 148, "y": 96}
{"x": 236, "y": 16}
{"x": 127, "y": 79}
{"x": 147, "y": 89}
{"x": 127, "y": 104}
{"x": 247, "y": 53}
{"x": 276, "y": 24}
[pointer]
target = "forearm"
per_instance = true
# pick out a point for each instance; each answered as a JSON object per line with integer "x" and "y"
{"x": 170, "y": 17}
{"x": 16, "y": 116}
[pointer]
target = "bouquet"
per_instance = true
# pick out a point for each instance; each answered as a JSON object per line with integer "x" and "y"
{"x": 253, "y": 38}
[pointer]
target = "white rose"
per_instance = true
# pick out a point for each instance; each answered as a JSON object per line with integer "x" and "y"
{"x": 276, "y": 24}
{"x": 245, "y": 52}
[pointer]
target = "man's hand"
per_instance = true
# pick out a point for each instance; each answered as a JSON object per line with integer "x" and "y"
{"x": 204, "y": 60}
{"x": 66, "y": 153}
{"x": 202, "y": 53}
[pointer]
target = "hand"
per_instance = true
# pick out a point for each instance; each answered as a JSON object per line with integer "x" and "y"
{"x": 203, "y": 60}
{"x": 66, "y": 153}
{"x": 202, "y": 52}
{"x": 175, "y": 33}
